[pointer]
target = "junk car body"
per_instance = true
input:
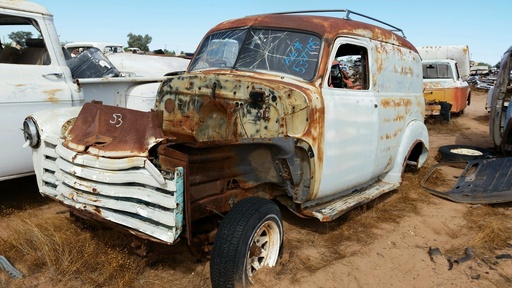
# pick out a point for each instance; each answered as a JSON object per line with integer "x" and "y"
{"x": 259, "y": 115}
{"x": 498, "y": 98}
{"x": 105, "y": 47}
{"x": 445, "y": 71}
{"x": 38, "y": 74}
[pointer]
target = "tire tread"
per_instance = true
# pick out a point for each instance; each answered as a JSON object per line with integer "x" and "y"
{"x": 225, "y": 258}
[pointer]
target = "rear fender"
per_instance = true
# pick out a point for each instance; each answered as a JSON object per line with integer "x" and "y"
{"x": 415, "y": 134}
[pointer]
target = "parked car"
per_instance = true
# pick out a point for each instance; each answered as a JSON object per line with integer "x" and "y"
{"x": 256, "y": 118}
{"x": 134, "y": 50}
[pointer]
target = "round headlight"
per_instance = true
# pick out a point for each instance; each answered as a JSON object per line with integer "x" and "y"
{"x": 30, "y": 132}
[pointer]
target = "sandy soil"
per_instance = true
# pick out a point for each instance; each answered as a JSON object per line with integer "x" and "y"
{"x": 348, "y": 252}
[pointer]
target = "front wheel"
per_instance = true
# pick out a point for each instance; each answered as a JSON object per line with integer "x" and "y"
{"x": 248, "y": 238}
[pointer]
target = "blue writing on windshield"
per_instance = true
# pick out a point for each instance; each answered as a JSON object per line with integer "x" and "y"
{"x": 299, "y": 56}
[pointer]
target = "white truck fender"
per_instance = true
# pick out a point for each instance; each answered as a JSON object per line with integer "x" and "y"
{"x": 415, "y": 132}
{"x": 142, "y": 97}
{"x": 49, "y": 130}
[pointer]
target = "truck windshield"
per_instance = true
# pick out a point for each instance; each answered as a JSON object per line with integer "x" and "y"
{"x": 263, "y": 50}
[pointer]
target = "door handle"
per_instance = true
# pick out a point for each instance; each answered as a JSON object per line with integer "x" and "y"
{"x": 57, "y": 75}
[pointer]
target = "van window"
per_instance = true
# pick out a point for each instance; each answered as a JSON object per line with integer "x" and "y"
{"x": 349, "y": 70}
{"x": 23, "y": 42}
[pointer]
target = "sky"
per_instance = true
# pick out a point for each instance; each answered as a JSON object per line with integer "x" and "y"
{"x": 180, "y": 25}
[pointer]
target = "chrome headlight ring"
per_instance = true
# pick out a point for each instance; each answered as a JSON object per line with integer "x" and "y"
{"x": 31, "y": 133}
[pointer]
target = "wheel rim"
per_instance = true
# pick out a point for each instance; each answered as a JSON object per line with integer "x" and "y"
{"x": 465, "y": 151}
{"x": 263, "y": 248}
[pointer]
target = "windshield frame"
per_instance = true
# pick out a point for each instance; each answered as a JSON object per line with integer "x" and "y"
{"x": 268, "y": 50}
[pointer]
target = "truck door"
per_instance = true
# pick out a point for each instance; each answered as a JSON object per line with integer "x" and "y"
{"x": 351, "y": 119}
{"x": 32, "y": 80}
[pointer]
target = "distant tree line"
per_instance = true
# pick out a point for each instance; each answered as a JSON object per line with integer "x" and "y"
{"x": 142, "y": 42}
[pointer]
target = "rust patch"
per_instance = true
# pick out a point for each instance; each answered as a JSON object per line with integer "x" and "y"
{"x": 114, "y": 131}
{"x": 329, "y": 27}
{"x": 238, "y": 108}
{"x": 170, "y": 105}
{"x": 66, "y": 126}
{"x": 51, "y": 95}
{"x": 395, "y": 103}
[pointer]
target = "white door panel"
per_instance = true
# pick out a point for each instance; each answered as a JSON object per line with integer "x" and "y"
{"x": 25, "y": 89}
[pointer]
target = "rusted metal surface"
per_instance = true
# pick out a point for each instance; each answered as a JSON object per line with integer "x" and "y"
{"x": 328, "y": 27}
{"x": 481, "y": 181}
{"x": 242, "y": 108}
{"x": 222, "y": 168}
{"x": 432, "y": 109}
{"x": 114, "y": 132}
{"x": 446, "y": 92}
{"x": 338, "y": 206}
{"x": 217, "y": 203}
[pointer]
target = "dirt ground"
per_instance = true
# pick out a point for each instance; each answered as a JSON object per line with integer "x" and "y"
{"x": 383, "y": 244}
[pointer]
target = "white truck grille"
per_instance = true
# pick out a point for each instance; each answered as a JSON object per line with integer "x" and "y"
{"x": 127, "y": 191}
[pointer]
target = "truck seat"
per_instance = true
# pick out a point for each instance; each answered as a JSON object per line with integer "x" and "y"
{"x": 35, "y": 53}
{"x": 10, "y": 55}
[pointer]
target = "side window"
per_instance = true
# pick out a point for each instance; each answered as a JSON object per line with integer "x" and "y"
{"x": 22, "y": 42}
{"x": 349, "y": 70}
{"x": 437, "y": 71}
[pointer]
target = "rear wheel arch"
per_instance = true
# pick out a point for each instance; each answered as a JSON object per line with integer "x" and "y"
{"x": 413, "y": 150}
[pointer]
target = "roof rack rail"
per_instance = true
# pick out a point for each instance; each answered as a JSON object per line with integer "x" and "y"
{"x": 347, "y": 16}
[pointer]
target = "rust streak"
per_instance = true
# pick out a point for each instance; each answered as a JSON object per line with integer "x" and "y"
{"x": 51, "y": 95}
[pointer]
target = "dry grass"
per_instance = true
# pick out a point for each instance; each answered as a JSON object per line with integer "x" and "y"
{"x": 363, "y": 224}
{"x": 435, "y": 126}
{"x": 57, "y": 254}
{"x": 493, "y": 227}
{"x": 359, "y": 227}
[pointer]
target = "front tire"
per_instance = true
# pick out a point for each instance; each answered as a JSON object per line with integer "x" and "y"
{"x": 248, "y": 238}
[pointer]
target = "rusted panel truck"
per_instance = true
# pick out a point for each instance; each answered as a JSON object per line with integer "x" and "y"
{"x": 262, "y": 114}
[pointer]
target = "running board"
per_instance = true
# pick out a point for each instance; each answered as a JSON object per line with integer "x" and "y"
{"x": 335, "y": 208}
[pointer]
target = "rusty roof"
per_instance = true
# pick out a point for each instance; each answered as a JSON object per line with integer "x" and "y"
{"x": 326, "y": 26}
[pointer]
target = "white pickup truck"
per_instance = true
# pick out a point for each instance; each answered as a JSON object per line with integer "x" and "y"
{"x": 36, "y": 76}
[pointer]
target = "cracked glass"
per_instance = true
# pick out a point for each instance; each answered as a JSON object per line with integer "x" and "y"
{"x": 263, "y": 50}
